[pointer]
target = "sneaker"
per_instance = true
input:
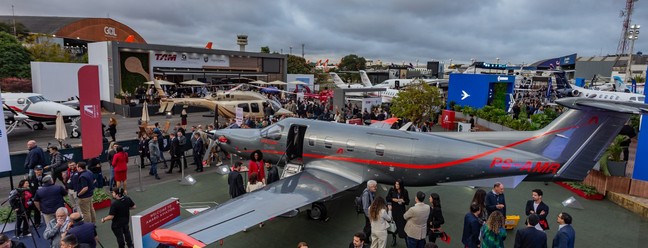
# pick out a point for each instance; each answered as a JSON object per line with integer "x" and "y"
{"x": 219, "y": 163}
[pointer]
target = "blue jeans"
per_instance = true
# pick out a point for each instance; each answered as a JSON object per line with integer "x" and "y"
{"x": 415, "y": 243}
{"x": 153, "y": 169}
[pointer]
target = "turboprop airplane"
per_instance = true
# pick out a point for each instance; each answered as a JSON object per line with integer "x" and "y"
{"x": 324, "y": 159}
{"x": 565, "y": 89}
{"x": 252, "y": 103}
{"x": 38, "y": 109}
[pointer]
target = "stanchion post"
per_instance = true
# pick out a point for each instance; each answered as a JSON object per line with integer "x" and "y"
{"x": 139, "y": 176}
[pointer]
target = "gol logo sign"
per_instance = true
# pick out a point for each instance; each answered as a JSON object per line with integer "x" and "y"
{"x": 110, "y": 31}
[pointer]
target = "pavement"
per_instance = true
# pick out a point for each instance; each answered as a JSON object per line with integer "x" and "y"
{"x": 599, "y": 224}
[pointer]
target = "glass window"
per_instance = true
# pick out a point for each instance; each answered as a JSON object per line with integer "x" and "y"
{"x": 244, "y": 106}
{"x": 642, "y": 99}
{"x": 327, "y": 142}
{"x": 21, "y": 101}
{"x": 380, "y": 150}
{"x": 255, "y": 107}
{"x": 35, "y": 99}
{"x": 350, "y": 145}
{"x": 272, "y": 132}
{"x": 633, "y": 98}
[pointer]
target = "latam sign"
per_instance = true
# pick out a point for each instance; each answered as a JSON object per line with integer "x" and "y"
{"x": 187, "y": 60}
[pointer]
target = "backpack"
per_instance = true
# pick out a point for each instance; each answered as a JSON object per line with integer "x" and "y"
{"x": 358, "y": 205}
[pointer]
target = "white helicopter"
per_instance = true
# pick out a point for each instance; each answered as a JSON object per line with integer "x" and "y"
{"x": 33, "y": 110}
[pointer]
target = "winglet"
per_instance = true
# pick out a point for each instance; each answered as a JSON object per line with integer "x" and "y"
{"x": 176, "y": 239}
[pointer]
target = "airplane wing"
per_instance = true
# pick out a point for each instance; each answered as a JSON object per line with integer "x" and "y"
{"x": 311, "y": 185}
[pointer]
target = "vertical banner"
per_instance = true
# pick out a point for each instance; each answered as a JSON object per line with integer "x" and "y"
{"x": 5, "y": 163}
{"x": 641, "y": 172}
{"x": 145, "y": 222}
{"x": 89, "y": 105}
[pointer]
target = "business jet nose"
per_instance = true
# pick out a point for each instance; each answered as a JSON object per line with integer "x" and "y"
{"x": 68, "y": 111}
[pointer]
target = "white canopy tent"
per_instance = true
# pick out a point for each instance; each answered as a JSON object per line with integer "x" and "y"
{"x": 193, "y": 83}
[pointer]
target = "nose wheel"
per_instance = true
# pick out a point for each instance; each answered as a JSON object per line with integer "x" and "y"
{"x": 39, "y": 126}
{"x": 75, "y": 133}
{"x": 317, "y": 211}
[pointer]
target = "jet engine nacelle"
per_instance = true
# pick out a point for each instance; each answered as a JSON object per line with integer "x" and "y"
{"x": 568, "y": 92}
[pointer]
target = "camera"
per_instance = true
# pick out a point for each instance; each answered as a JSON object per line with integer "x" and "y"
{"x": 16, "y": 198}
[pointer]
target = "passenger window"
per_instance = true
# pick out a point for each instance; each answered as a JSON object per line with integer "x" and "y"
{"x": 311, "y": 140}
{"x": 255, "y": 107}
{"x": 350, "y": 145}
{"x": 617, "y": 98}
{"x": 327, "y": 142}
{"x": 21, "y": 101}
{"x": 244, "y": 106}
{"x": 633, "y": 98}
{"x": 380, "y": 150}
{"x": 272, "y": 132}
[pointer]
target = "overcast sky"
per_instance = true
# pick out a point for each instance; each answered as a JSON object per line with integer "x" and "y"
{"x": 515, "y": 31}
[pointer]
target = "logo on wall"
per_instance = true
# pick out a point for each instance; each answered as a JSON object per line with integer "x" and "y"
{"x": 206, "y": 58}
{"x": 110, "y": 31}
{"x": 184, "y": 57}
{"x": 91, "y": 110}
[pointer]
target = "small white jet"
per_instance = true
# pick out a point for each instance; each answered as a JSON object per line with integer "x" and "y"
{"x": 38, "y": 109}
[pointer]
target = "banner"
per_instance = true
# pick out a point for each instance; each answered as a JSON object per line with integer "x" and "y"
{"x": 145, "y": 222}
{"x": 5, "y": 163}
{"x": 90, "y": 108}
{"x": 187, "y": 60}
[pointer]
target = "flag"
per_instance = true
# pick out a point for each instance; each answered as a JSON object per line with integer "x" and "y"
{"x": 90, "y": 109}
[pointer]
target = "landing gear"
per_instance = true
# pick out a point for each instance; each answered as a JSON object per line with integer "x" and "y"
{"x": 75, "y": 133}
{"x": 38, "y": 126}
{"x": 318, "y": 211}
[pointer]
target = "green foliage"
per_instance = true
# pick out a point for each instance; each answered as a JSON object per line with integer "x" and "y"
{"x": 5, "y": 211}
{"x": 416, "y": 102}
{"x": 639, "y": 79}
{"x": 501, "y": 117}
{"x": 14, "y": 58}
{"x": 634, "y": 122}
{"x": 298, "y": 65}
{"x": 99, "y": 195}
{"x": 352, "y": 62}
{"x": 47, "y": 51}
{"x": 499, "y": 95}
{"x": 21, "y": 31}
{"x": 265, "y": 49}
{"x": 588, "y": 190}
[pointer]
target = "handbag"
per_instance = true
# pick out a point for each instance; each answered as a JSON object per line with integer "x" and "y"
{"x": 392, "y": 227}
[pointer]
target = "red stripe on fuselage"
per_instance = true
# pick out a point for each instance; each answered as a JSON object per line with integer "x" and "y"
{"x": 423, "y": 166}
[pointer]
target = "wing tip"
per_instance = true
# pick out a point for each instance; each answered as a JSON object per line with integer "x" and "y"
{"x": 175, "y": 238}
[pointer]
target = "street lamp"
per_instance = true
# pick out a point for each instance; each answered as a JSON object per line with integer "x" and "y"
{"x": 633, "y": 34}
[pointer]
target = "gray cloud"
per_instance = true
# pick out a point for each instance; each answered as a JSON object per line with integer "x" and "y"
{"x": 515, "y": 31}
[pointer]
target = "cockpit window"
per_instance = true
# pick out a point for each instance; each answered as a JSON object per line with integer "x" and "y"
{"x": 275, "y": 105}
{"x": 35, "y": 99}
{"x": 272, "y": 132}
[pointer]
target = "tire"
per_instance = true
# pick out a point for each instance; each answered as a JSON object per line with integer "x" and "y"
{"x": 39, "y": 126}
{"x": 75, "y": 133}
{"x": 317, "y": 211}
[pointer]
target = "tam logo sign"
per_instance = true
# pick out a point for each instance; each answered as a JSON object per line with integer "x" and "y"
{"x": 166, "y": 57}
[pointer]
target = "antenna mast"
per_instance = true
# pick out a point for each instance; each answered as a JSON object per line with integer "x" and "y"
{"x": 627, "y": 18}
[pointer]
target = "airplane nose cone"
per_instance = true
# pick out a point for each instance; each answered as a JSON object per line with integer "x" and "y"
{"x": 68, "y": 111}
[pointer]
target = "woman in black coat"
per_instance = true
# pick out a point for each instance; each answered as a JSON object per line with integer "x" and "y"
{"x": 399, "y": 199}
{"x": 435, "y": 219}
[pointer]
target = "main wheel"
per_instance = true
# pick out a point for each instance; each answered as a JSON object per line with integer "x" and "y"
{"x": 317, "y": 211}
{"x": 75, "y": 133}
{"x": 39, "y": 126}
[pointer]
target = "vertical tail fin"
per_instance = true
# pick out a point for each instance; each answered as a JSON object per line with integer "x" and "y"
{"x": 578, "y": 138}
{"x": 337, "y": 80}
{"x": 365, "y": 79}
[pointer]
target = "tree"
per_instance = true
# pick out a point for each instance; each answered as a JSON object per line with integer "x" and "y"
{"x": 298, "y": 65}
{"x": 417, "y": 102}
{"x": 352, "y": 62}
{"x": 265, "y": 49}
{"x": 14, "y": 58}
{"x": 48, "y": 51}
{"x": 21, "y": 31}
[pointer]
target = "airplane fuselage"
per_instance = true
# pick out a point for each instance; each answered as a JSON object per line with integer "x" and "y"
{"x": 386, "y": 155}
{"x": 38, "y": 108}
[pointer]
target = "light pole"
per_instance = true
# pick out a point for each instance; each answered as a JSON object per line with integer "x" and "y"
{"x": 633, "y": 34}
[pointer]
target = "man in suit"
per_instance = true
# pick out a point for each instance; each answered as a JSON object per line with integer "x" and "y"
{"x": 470, "y": 236}
{"x": 566, "y": 234}
{"x": 175, "y": 151}
{"x": 416, "y": 217}
{"x": 530, "y": 237}
{"x": 495, "y": 200}
{"x": 198, "y": 152}
{"x": 358, "y": 241}
{"x": 536, "y": 206}
{"x": 235, "y": 181}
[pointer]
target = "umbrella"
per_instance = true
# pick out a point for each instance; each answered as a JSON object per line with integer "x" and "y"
{"x": 160, "y": 81}
{"x": 145, "y": 113}
{"x": 61, "y": 132}
{"x": 193, "y": 83}
{"x": 259, "y": 82}
{"x": 298, "y": 83}
{"x": 278, "y": 82}
{"x": 270, "y": 89}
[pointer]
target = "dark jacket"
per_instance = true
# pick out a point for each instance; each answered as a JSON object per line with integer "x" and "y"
{"x": 565, "y": 237}
{"x": 198, "y": 149}
{"x": 273, "y": 175}
{"x": 435, "y": 220}
{"x": 530, "y": 237}
{"x": 235, "y": 182}
{"x": 541, "y": 207}
{"x": 175, "y": 147}
{"x": 470, "y": 236}
{"x": 50, "y": 197}
{"x": 492, "y": 200}
{"x": 34, "y": 157}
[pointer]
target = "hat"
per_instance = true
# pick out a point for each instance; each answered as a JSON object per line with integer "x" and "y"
{"x": 38, "y": 167}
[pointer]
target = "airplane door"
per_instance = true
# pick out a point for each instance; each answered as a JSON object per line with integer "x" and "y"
{"x": 295, "y": 145}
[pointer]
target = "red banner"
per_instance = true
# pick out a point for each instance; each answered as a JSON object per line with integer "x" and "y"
{"x": 90, "y": 108}
{"x": 159, "y": 217}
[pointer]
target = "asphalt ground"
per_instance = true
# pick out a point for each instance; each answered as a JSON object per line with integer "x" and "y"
{"x": 599, "y": 224}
